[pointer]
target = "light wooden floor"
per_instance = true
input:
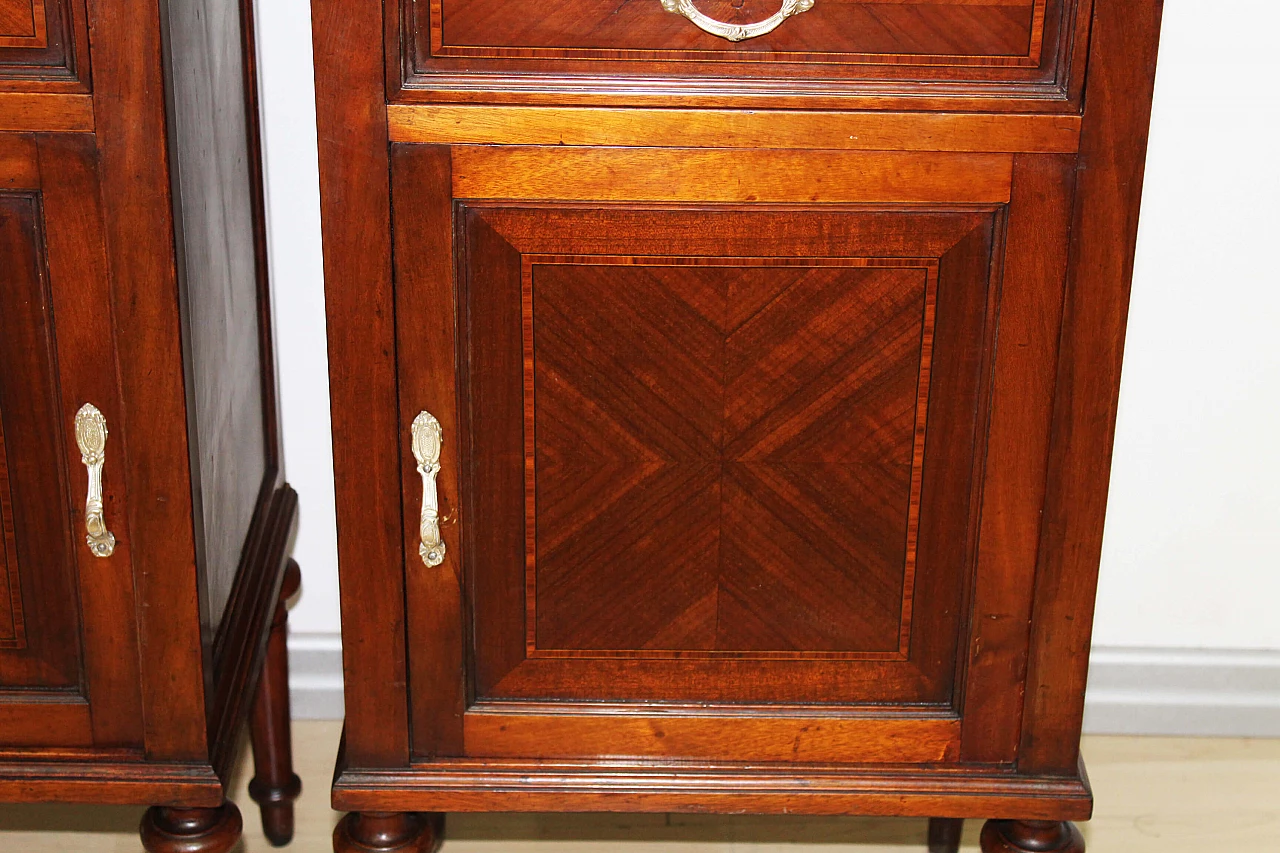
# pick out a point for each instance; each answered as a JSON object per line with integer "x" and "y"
{"x": 1154, "y": 795}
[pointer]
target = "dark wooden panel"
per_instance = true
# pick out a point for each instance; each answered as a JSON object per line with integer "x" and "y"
{"x": 426, "y": 349}
{"x": 39, "y": 641}
{"x": 841, "y": 440}
{"x": 916, "y": 32}
{"x": 724, "y": 456}
{"x": 87, "y": 372}
{"x": 44, "y": 44}
{"x": 134, "y": 155}
{"x": 1022, "y": 51}
{"x": 77, "y": 608}
{"x": 368, "y": 454}
{"x": 1103, "y": 235}
{"x": 1020, "y": 407}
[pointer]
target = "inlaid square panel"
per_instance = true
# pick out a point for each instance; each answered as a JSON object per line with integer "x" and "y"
{"x": 716, "y": 454}
{"x": 733, "y": 444}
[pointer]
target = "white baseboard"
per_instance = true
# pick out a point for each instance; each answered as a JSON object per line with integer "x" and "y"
{"x": 1203, "y": 692}
{"x": 315, "y": 676}
{"x": 1137, "y": 691}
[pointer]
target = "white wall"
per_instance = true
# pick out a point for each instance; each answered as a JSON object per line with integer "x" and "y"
{"x": 1190, "y": 558}
{"x": 287, "y": 92}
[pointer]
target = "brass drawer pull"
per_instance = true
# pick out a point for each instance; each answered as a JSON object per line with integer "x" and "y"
{"x": 737, "y": 32}
{"x": 427, "y": 438}
{"x": 91, "y": 436}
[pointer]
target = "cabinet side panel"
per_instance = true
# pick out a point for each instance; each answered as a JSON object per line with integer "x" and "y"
{"x": 214, "y": 185}
{"x": 1113, "y": 148}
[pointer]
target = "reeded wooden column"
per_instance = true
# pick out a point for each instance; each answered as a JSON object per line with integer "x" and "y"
{"x": 275, "y": 786}
{"x": 1031, "y": 836}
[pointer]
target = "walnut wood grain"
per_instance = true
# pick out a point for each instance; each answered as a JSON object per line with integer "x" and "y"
{"x": 884, "y": 131}
{"x": 530, "y": 786}
{"x": 570, "y": 196}
{"x": 189, "y": 830}
{"x": 709, "y": 175}
{"x": 355, "y": 210}
{"x": 274, "y": 785}
{"x": 32, "y": 112}
{"x": 1027, "y": 836}
{"x": 383, "y": 832}
{"x": 640, "y": 55}
{"x": 1100, "y": 269}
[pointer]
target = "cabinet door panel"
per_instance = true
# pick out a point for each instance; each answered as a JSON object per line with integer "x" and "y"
{"x": 716, "y": 468}
{"x": 66, "y": 641}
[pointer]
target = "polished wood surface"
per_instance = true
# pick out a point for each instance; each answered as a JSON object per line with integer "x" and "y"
{"x": 127, "y": 678}
{"x": 1154, "y": 795}
{"x": 175, "y": 830}
{"x": 1104, "y": 232}
{"x": 382, "y": 832}
{"x": 1016, "y": 836}
{"x": 755, "y": 420}
{"x": 66, "y": 691}
{"x": 22, "y": 111}
{"x": 1028, "y": 52}
{"x": 274, "y": 785}
{"x": 873, "y": 131}
{"x": 44, "y": 45}
{"x": 702, "y": 175}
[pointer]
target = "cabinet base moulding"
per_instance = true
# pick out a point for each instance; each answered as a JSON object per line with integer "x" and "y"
{"x": 460, "y": 785}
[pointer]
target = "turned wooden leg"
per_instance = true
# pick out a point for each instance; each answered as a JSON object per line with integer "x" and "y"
{"x": 275, "y": 786}
{"x": 944, "y": 834}
{"x": 388, "y": 832}
{"x": 1031, "y": 836}
{"x": 167, "y": 830}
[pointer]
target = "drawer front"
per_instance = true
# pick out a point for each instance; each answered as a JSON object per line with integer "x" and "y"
{"x": 42, "y": 42}
{"x": 65, "y": 610}
{"x": 1008, "y": 49}
{"x": 714, "y": 432}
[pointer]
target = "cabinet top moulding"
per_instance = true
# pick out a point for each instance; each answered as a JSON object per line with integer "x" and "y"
{"x": 964, "y": 132}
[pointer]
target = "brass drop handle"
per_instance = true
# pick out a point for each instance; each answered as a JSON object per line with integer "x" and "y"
{"x": 737, "y": 32}
{"x": 91, "y": 436}
{"x": 427, "y": 438}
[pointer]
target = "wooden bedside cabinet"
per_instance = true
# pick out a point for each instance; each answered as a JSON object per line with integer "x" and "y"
{"x": 723, "y": 398}
{"x": 145, "y": 518}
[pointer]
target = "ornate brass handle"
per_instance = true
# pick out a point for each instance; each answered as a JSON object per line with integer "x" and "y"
{"x": 737, "y": 32}
{"x": 427, "y": 438}
{"x": 91, "y": 436}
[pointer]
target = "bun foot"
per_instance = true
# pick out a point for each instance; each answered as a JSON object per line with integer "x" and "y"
{"x": 167, "y": 830}
{"x": 389, "y": 832}
{"x": 1031, "y": 836}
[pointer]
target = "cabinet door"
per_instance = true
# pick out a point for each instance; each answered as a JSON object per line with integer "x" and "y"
{"x": 717, "y": 432}
{"x": 67, "y": 655}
